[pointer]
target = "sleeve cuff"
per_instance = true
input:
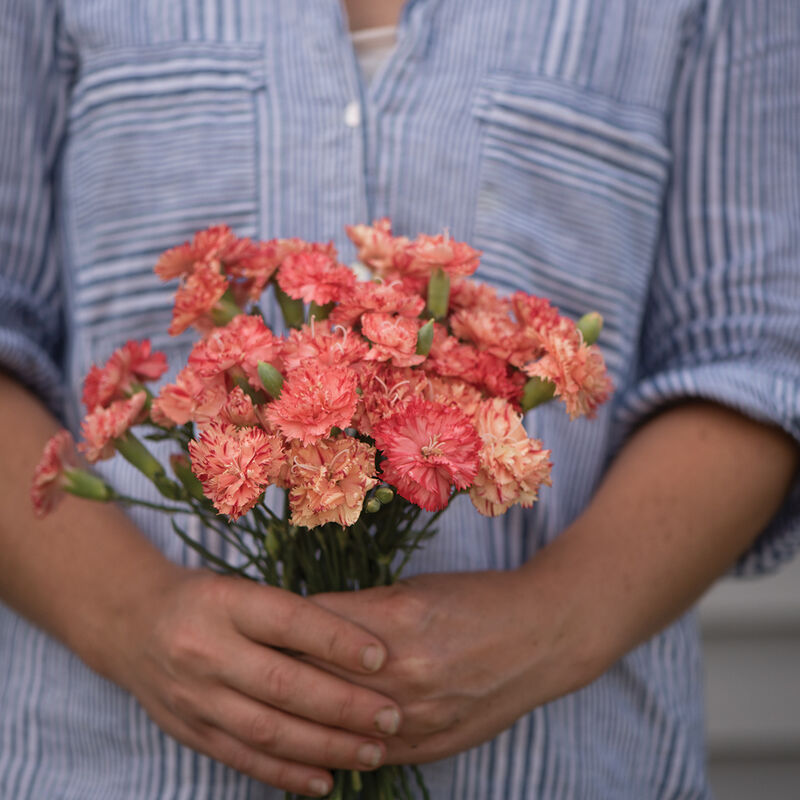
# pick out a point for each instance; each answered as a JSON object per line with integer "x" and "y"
{"x": 33, "y": 367}
{"x": 765, "y": 396}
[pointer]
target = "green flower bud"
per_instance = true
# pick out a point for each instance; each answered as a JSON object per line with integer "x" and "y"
{"x": 319, "y": 312}
{"x": 590, "y": 326}
{"x": 536, "y": 392}
{"x": 84, "y": 484}
{"x": 439, "y": 294}
{"x": 271, "y": 379}
{"x": 384, "y": 494}
{"x": 425, "y": 338}
{"x": 291, "y": 309}
{"x": 373, "y": 505}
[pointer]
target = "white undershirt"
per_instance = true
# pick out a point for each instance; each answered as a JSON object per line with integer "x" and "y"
{"x": 373, "y": 46}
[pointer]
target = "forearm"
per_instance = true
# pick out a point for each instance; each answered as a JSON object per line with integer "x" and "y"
{"x": 684, "y": 499}
{"x": 77, "y": 572}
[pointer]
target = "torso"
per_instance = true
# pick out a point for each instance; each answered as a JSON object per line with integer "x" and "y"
{"x": 372, "y": 13}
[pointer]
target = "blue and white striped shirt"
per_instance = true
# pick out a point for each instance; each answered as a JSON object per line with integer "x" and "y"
{"x": 638, "y": 157}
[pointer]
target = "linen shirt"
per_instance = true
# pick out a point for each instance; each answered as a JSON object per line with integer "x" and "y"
{"x": 636, "y": 157}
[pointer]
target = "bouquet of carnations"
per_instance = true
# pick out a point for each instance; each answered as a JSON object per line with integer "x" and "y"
{"x": 389, "y": 396}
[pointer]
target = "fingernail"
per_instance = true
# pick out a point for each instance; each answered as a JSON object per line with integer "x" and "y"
{"x": 372, "y": 657}
{"x": 318, "y": 787}
{"x": 387, "y": 720}
{"x": 369, "y": 755}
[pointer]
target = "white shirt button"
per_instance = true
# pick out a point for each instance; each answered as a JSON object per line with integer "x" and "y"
{"x": 352, "y": 114}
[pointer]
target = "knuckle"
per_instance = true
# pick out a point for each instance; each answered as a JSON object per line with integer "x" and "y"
{"x": 418, "y": 673}
{"x": 333, "y": 641}
{"x": 345, "y": 707}
{"x": 263, "y": 731}
{"x": 278, "y": 685}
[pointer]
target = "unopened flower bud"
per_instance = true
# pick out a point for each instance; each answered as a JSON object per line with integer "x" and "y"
{"x": 83, "y": 484}
{"x": 590, "y": 326}
{"x": 384, "y": 494}
{"x": 291, "y": 309}
{"x": 536, "y": 392}
{"x": 439, "y": 294}
{"x": 373, "y": 505}
{"x": 425, "y": 338}
{"x": 271, "y": 379}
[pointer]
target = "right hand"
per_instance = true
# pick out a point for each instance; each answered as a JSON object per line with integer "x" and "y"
{"x": 200, "y": 656}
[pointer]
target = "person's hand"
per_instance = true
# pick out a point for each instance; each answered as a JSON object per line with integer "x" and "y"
{"x": 200, "y": 657}
{"x": 469, "y": 653}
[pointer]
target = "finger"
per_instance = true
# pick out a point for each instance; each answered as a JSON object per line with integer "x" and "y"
{"x": 306, "y": 691}
{"x": 289, "y": 776}
{"x": 287, "y": 737}
{"x": 281, "y": 619}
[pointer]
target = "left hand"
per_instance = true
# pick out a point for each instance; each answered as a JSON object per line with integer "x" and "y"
{"x": 469, "y": 653}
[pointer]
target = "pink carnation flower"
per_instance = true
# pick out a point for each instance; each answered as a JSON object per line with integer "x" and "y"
{"x": 392, "y": 338}
{"x": 328, "y": 480}
{"x": 337, "y": 347}
{"x": 577, "y": 370}
{"x": 450, "y": 358}
{"x": 208, "y": 245}
{"x": 235, "y": 465}
{"x": 454, "y": 392}
{"x": 315, "y": 277}
{"x": 388, "y": 298}
{"x": 313, "y": 401}
{"x": 429, "y": 449}
{"x": 196, "y": 298}
{"x": 103, "y": 425}
{"x": 133, "y": 363}
{"x": 377, "y": 248}
{"x": 535, "y": 314}
{"x": 512, "y": 466}
{"x": 429, "y": 253}
{"x": 238, "y": 346}
{"x": 385, "y": 391}
{"x": 239, "y": 409}
{"x": 498, "y": 334}
{"x": 49, "y": 478}
{"x": 475, "y": 296}
{"x": 190, "y": 399}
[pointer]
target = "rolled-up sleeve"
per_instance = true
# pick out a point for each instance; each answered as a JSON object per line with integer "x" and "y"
{"x": 723, "y": 317}
{"x": 34, "y": 80}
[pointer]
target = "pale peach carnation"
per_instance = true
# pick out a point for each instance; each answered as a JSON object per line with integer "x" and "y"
{"x": 189, "y": 399}
{"x": 377, "y": 248}
{"x": 48, "y": 479}
{"x": 208, "y": 245}
{"x": 103, "y": 425}
{"x": 317, "y": 342}
{"x": 577, "y": 370}
{"x": 329, "y": 479}
{"x": 429, "y": 253}
{"x": 429, "y": 450}
{"x": 239, "y": 409}
{"x": 235, "y": 465}
{"x": 392, "y": 338}
{"x": 131, "y": 364}
{"x": 314, "y": 400}
{"x": 196, "y": 298}
{"x": 512, "y": 466}
{"x": 315, "y": 277}
{"x": 237, "y": 348}
{"x": 388, "y": 298}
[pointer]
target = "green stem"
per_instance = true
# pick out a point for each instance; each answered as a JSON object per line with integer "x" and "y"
{"x": 415, "y": 543}
{"x": 132, "y": 501}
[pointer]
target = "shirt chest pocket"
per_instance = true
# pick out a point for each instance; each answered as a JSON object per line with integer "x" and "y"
{"x": 570, "y": 193}
{"x": 162, "y": 140}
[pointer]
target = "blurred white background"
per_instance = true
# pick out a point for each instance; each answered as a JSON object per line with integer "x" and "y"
{"x": 751, "y": 632}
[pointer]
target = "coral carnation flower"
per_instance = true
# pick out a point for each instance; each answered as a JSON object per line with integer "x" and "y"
{"x": 103, "y": 425}
{"x": 241, "y": 344}
{"x": 48, "y": 479}
{"x": 429, "y": 449}
{"x": 190, "y": 398}
{"x": 339, "y": 347}
{"x": 577, "y": 370}
{"x": 235, "y": 465}
{"x": 208, "y": 245}
{"x": 512, "y": 466}
{"x": 329, "y": 479}
{"x": 133, "y": 363}
{"x": 313, "y": 401}
{"x": 377, "y": 248}
{"x": 388, "y": 298}
{"x": 315, "y": 277}
{"x": 392, "y": 338}
{"x": 196, "y": 298}
{"x": 429, "y": 253}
